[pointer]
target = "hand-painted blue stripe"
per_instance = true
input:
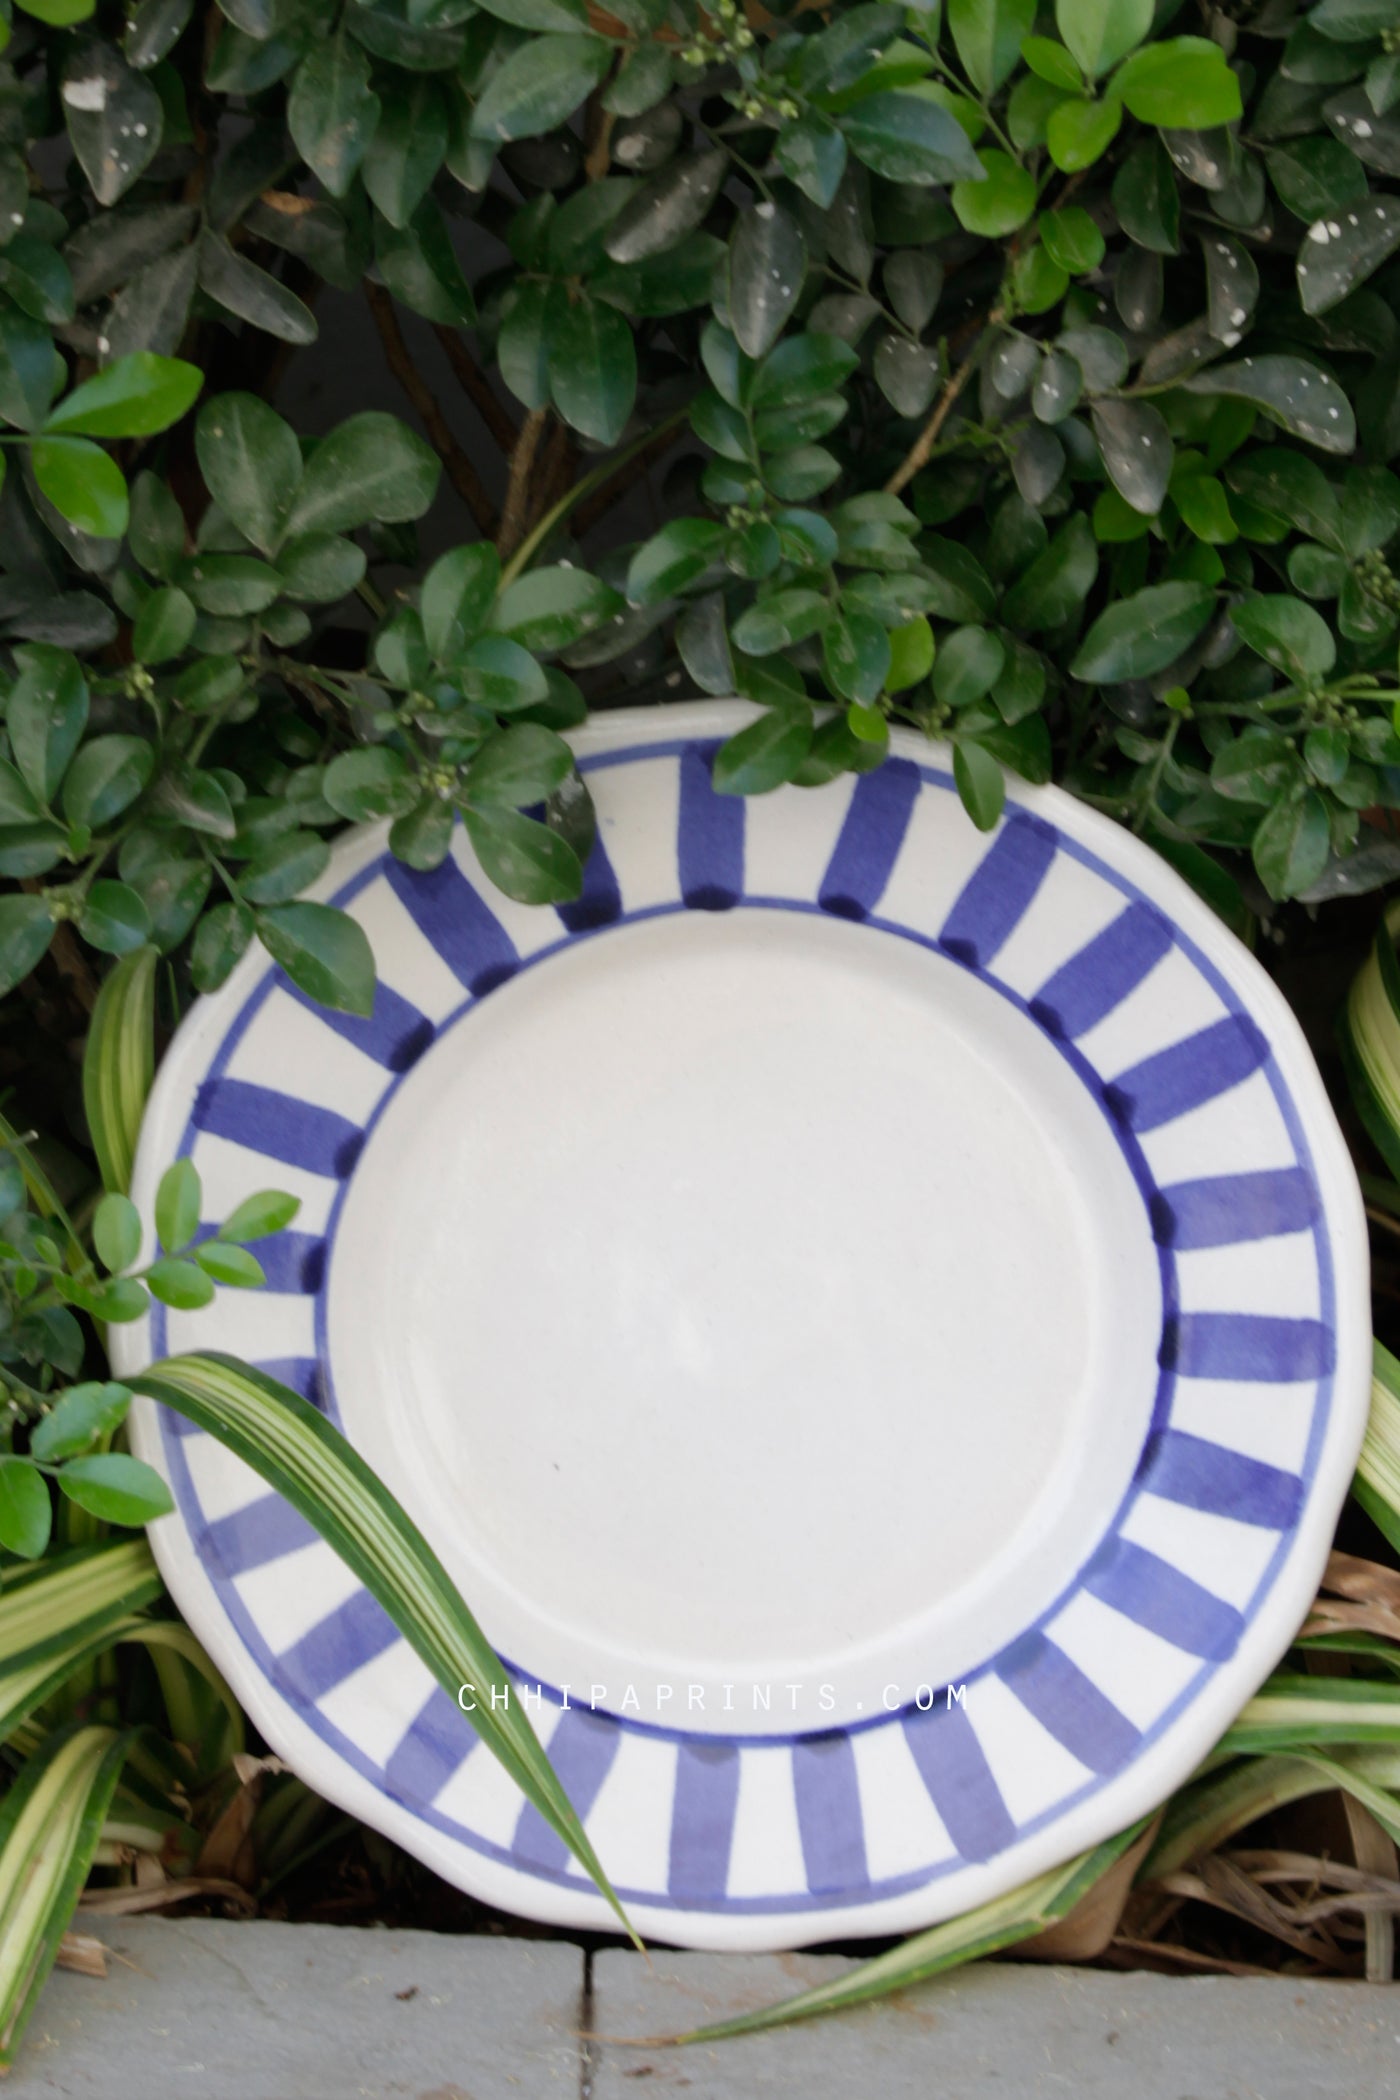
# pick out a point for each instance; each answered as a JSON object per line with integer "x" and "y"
{"x": 1068, "y": 1704}
{"x": 451, "y": 913}
{"x": 954, "y": 1768}
{"x": 1251, "y": 1348}
{"x": 581, "y": 1750}
{"x": 599, "y": 902}
{"x": 870, "y": 840}
{"x": 292, "y": 1262}
{"x": 710, "y": 836}
{"x": 343, "y": 1642}
{"x": 1206, "y": 1476}
{"x": 301, "y": 1373}
{"x": 251, "y": 1537}
{"x": 1103, "y": 973}
{"x": 395, "y": 1035}
{"x": 702, "y": 1819}
{"x": 1154, "y": 1594}
{"x": 297, "y": 1132}
{"x": 999, "y": 892}
{"x": 1229, "y": 1208}
{"x": 828, "y": 1814}
{"x": 437, "y": 1745}
{"x": 1174, "y": 1081}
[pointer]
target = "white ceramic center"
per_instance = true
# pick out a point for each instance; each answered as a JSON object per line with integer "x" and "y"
{"x": 747, "y": 1301}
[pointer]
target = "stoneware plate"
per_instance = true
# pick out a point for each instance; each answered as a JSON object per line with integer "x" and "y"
{"x": 872, "y": 1315}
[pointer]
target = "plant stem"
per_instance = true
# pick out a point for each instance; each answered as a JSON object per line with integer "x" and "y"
{"x": 918, "y": 453}
{"x": 460, "y": 471}
{"x": 552, "y": 519}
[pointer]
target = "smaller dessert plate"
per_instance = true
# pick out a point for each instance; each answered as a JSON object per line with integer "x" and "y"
{"x": 872, "y": 1316}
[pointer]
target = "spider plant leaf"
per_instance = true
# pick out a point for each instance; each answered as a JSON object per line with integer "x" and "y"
{"x": 118, "y": 1064}
{"x": 1377, "y": 1483}
{"x": 299, "y": 1453}
{"x": 1018, "y": 1915}
{"x": 50, "y": 1823}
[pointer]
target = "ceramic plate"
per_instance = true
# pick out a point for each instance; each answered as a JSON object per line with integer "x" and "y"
{"x": 873, "y": 1316}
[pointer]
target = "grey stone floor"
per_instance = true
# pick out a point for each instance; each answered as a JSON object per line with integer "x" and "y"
{"x": 204, "y": 2010}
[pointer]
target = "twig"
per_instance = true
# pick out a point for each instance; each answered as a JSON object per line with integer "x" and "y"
{"x": 478, "y": 388}
{"x": 460, "y": 471}
{"x": 918, "y": 453}
{"x": 630, "y": 472}
{"x": 522, "y": 460}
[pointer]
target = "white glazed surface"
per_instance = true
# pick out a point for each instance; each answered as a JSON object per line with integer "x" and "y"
{"x": 754, "y": 1298}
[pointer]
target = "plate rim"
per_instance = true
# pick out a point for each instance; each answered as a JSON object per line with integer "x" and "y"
{"x": 1151, "y": 1774}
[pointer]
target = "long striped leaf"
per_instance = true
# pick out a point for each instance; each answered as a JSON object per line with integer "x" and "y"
{"x": 1377, "y": 1483}
{"x": 1302, "y": 1714}
{"x": 1211, "y": 1810}
{"x": 50, "y": 1823}
{"x": 118, "y": 1065}
{"x": 1017, "y": 1916}
{"x": 46, "y": 1604}
{"x": 298, "y": 1452}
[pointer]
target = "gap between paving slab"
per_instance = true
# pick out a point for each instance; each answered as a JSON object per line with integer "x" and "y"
{"x": 204, "y": 2009}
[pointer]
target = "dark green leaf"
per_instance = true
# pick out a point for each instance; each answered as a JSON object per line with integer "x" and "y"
{"x": 115, "y": 1487}
{"x": 762, "y": 757}
{"x": 47, "y": 714}
{"x": 324, "y": 952}
{"x": 251, "y": 461}
{"x": 26, "y": 1514}
{"x": 540, "y": 85}
{"x": 767, "y": 264}
{"x": 910, "y": 139}
{"x": 980, "y": 783}
{"x": 332, "y": 111}
{"x": 548, "y": 609}
{"x": 178, "y": 1198}
{"x": 1290, "y": 636}
{"x": 592, "y": 364}
{"x": 520, "y": 765}
{"x": 370, "y": 467}
{"x": 1292, "y": 844}
{"x": 83, "y": 483}
{"x": 1300, "y": 396}
{"x": 1141, "y": 635}
{"x": 523, "y": 857}
{"x": 105, "y": 778}
{"x": 115, "y": 118}
{"x": 114, "y": 918}
{"x": 666, "y": 207}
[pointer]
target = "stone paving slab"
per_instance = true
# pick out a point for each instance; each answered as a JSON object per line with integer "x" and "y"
{"x": 1004, "y": 2031}
{"x": 211, "y": 2010}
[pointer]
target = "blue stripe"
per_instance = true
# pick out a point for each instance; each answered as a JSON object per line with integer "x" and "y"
{"x": 710, "y": 836}
{"x": 1230, "y": 1208}
{"x": 451, "y": 914}
{"x": 581, "y": 1750}
{"x": 343, "y": 1642}
{"x": 702, "y": 1819}
{"x": 600, "y": 900}
{"x": 301, "y": 1373}
{"x": 1206, "y": 1476}
{"x": 1173, "y": 1082}
{"x": 954, "y": 1768}
{"x": 294, "y": 1263}
{"x": 1250, "y": 1348}
{"x": 1154, "y": 1594}
{"x": 436, "y": 1746}
{"x": 828, "y": 1814}
{"x": 251, "y": 1537}
{"x": 871, "y": 839}
{"x": 1068, "y": 1704}
{"x": 997, "y": 895}
{"x": 395, "y": 1034}
{"x": 297, "y": 1132}
{"x": 1103, "y": 973}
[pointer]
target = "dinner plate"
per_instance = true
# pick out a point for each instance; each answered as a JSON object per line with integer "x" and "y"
{"x": 872, "y": 1315}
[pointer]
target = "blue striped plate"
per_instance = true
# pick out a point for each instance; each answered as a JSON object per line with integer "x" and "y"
{"x": 874, "y": 1317}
